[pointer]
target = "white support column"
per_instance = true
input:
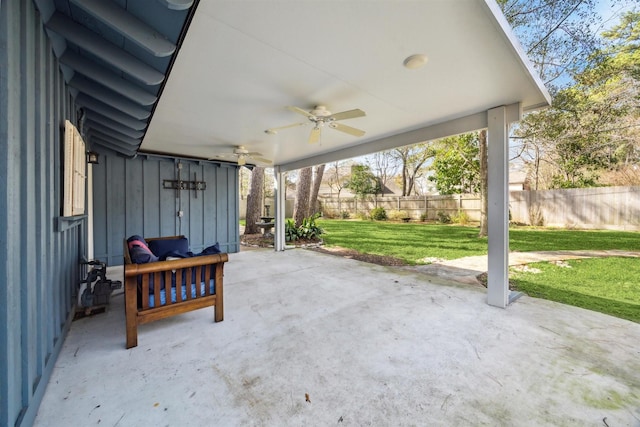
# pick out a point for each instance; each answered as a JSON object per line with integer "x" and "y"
{"x": 279, "y": 237}
{"x": 498, "y": 209}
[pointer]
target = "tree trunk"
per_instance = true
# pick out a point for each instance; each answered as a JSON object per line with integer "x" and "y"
{"x": 317, "y": 179}
{"x": 484, "y": 184}
{"x": 303, "y": 190}
{"x": 254, "y": 201}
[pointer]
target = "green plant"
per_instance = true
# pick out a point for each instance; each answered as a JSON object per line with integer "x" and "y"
{"x": 398, "y": 215}
{"x": 290, "y": 231}
{"x": 462, "y": 218}
{"x": 443, "y": 217}
{"x": 345, "y": 214}
{"x": 424, "y": 217}
{"x": 378, "y": 214}
{"x": 309, "y": 229}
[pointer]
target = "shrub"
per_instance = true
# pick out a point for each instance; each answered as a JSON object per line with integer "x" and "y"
{"x": 362, "y": 216}
{"x": 536, "y": 217}
{"x": 345, "y": 215}
{"x": 424, "y": 217}
{"x": 398, "y": 215}
{"x": 309, "y": 229}
{"x": 462, "y": 218}
{"x": 378, "y": 214}
{"x": 444, "y": 218}
{"x": 290, "y": 231}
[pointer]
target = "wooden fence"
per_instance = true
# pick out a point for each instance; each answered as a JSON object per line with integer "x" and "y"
{"x": 600, "y": 208}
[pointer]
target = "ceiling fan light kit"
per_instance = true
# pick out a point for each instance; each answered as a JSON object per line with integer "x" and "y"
{"x": 320, "y": 116}
{"x": 416, "y": 61}
{"x": 242, "y": 154}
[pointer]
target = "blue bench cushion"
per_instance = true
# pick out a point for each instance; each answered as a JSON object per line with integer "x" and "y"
{"x": 163, "y": 247}
{"x": 163, "y": 293}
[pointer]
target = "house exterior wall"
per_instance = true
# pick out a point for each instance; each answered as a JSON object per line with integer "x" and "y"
{"x": 129, "y": 198}
{"x": 42, "y": 252}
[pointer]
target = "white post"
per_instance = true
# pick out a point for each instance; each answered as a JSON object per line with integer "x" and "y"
{"x": 279, "y": 237}
{"x": 498, "y": 207}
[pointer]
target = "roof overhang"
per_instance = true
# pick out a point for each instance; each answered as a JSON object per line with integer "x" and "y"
{"x": 196, "y": 79}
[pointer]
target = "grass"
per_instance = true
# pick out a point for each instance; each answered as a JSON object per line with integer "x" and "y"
{"x": 413, "y": 242}
{"x": 607, "y": 285}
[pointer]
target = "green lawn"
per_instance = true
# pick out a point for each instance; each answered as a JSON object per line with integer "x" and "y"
{"x": 413, "y": 242}
{"x": 607, "y": 285}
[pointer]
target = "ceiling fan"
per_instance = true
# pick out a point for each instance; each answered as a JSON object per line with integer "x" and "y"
{"x": 320, "y": 116}
{"x": 242, "y": 154}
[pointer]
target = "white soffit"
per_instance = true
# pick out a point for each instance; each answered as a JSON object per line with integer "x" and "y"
{"x": 243, "y": 62}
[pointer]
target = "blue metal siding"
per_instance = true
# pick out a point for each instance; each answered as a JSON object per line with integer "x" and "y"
{"x": 40, "y": 268}
{"x": 129, "y": 199}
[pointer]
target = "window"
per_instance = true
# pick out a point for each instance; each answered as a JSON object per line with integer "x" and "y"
{"x": 75, "y": 164}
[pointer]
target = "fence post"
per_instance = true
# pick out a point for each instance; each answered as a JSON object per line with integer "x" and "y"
{"x": 426, "y": 207}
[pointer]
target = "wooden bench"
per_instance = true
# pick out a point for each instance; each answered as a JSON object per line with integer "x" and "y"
{"x": 189, "y": 277}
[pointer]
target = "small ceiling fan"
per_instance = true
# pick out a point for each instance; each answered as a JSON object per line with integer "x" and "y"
{"x": 242, "y": 154}
{"x": 320, "y": 116}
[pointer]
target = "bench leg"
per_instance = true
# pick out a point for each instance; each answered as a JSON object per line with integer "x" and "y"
{"x": 219, "y": 306}
{"x": 131, "y": 313}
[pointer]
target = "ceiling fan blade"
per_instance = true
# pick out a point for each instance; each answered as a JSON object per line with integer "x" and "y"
{"x": 351, "y": 114}
{"x": 314, "y": 136}
{"x": 347, "y": 129}
{"x": 300, "y": 111}
{"x": 263, "y": 160}
{"x": 275, "y": 130}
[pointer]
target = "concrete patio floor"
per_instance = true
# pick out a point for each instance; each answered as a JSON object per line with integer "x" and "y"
{"x": 368, "y": 345}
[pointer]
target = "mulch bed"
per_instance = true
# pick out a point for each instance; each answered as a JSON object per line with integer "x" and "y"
{"x": 260, "y": 241}
{"x": 353, "y": 254}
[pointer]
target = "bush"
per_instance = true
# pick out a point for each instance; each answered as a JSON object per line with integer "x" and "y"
{"x": 378, "y": 214}
{"x": 309, "y": 229}
{"x": 290, "y": 231}
{"x": 345, "y": 215}
{"x": 462, "y": 218}
{"x": 424, "y": 217}
{"x": 398, "y": 215}
{"x": 444, "y": 218}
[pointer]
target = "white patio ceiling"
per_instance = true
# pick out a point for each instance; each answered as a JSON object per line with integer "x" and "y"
{"x": 242, "y": 62}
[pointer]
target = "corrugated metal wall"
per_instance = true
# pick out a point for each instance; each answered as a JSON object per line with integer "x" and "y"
{"x": 129, "y": 198}
{"x": 40, "y": 263}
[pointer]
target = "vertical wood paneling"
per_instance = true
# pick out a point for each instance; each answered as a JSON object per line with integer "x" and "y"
{"x": 39, "y": 269}
{"x": 9, "y": 153}
{"x": 134, "y": 197}
{"x": 151, "y": 218}
{"x": 150, "y": 210}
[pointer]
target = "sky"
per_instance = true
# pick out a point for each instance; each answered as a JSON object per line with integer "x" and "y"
{"x": 611, "y": 10}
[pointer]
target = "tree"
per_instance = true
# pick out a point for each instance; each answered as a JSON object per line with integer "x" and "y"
{"x": 384, "y": 165}
{"x": 412, "y": 159}
{"x": 303, "y": 193}
{"x": 338, "y": 176}
{"x": 317, "y": 180}
{"x": 456, "y": 164}
{"x": 254, "y": 201}
{"x": 593, "y": 125}
{"x": 557, "y": 35}
{"x": 484, "y": 183}
{"x": 362, "y": 182}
